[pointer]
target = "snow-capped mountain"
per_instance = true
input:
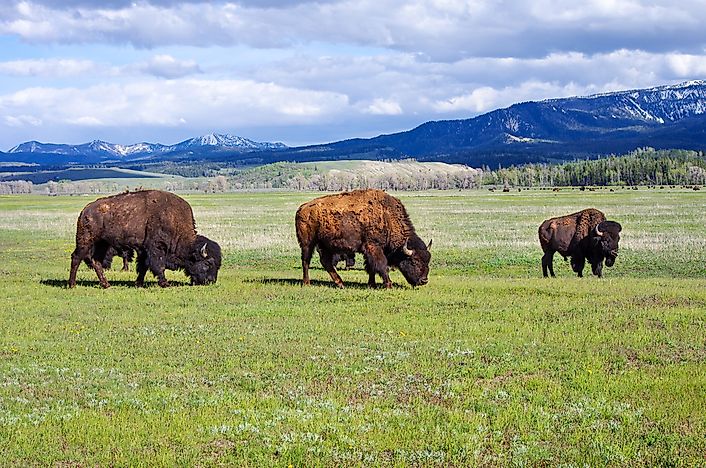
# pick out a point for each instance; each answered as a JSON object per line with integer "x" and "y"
{"x": 103, "y": 149}
{"x": 225, "y": 141}
{"x": 671, "y": 116}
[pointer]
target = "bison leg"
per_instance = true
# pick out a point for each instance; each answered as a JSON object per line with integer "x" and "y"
{"x": 158, "y": 271}
{"x": 597, "y": 268}
{"x": 76, "y": 257}
{"x": 126, "y": 263}
{"x": 155, "y": 261}
{"x": 371, "y": 279}
{"x": 548, "y": 263}
{"x": 327, "y": 262}
{"x": 376, "y": 262}
{"x": 98, "y": 267}
{"x": 307, "y": 252}
{"x": 577, "y": 264}
{"x": 371, "y": 274}
{"x": 141, "y": 270}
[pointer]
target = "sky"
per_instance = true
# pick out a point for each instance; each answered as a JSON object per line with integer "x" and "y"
{"x": 304, "y": 72}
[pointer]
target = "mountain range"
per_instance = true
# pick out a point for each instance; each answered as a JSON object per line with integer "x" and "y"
{"x": 102, "y": 152}
{"x": 672, "y": 116}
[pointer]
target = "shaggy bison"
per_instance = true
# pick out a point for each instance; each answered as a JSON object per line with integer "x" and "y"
{"x": 158, "y": 226}
{"x": 367, "y": 221}
{"x": 585, "y": 235}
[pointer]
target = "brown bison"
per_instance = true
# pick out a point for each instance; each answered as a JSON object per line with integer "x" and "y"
{"x": 367, "y": 221}
{"x": 585, "y": 235}
{"x": 158, "y": 226}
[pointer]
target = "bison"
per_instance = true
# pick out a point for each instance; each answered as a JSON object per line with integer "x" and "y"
{"x": 159, "y": 226}
{"x": 367, "y": 221}
{"x": 585, "y": 235}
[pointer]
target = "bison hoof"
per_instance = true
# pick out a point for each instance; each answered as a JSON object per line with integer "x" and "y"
{"x": 105, "y": 285}
{"x": 306, "y": 282}
{"x": 163, "y": 284}
{"x": 340, "y": 286}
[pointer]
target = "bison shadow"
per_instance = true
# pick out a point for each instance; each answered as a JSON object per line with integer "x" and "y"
{"x": 330, "y": 284}
{"x": 62, "y": 283}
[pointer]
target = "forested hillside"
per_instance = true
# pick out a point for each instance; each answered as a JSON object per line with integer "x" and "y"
{"x": 641, "y": 167}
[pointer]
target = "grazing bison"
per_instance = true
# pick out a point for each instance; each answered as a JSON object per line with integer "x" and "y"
{"x": 158, "y": 226}
{"x": 585, "y": 235}
{"x": 367, "y": 221}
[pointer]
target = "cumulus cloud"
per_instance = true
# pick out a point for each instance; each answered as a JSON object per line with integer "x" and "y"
{"x": 445, "y": 30}
{"x": 381, "y": 106}
{"x": 160, "y": 66}
{"x": 170, "y": 103}
{"x": 166, "y": 66}
{"x": 47, "y": 67}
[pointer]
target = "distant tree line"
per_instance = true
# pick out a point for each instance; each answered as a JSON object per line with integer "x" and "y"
{"x": 15, "y": 187}
{"x": 645, "y": 166}
{"x": 296, "y": 176}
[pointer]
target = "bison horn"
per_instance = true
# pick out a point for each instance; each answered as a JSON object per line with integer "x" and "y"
{"x": 598, "y": 231}
{"x": 429, "y": 245}
{"x": 406, "y": 250}
{"x": 204, "y": 252}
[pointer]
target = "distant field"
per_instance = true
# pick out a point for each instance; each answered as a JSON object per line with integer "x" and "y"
{"x": 489, "y": 364}
{"x": 43, "y": 177}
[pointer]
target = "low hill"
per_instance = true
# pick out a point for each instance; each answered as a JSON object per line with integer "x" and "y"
{"x": 346, "y": 175}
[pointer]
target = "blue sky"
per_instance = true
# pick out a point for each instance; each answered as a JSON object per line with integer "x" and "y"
{"x": 311, "y": 72}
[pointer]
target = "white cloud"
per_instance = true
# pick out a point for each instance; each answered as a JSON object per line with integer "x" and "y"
{"x": 441, "y": 29}
{"x": 22, "y": 121}
{"x": 161, "y": 66}
{"x": 47, "y": 67}
{"x": 166, "y": 66}
{"x": 171, "y": 103}
{"x": 381, "y": 106}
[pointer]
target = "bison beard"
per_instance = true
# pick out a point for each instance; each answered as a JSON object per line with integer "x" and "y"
{"x": 159, "y": 226}
{"x": 584, "y": 235}
{"x": 367, "y": 221}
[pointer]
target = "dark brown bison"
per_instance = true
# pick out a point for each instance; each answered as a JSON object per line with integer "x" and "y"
{"x": 367, "y": 221}
{"x": 158, "y": 226}
{"x": 585, "y": 235}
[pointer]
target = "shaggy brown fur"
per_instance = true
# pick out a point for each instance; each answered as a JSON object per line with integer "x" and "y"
{"x": 158, "y": 225}
{"x": 367, "y": 221}
{"x": 575, "y": 236}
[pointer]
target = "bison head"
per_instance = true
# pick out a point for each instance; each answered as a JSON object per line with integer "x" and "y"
{"x": 413, "y": 261}
{"x": 606, "y": 236}
{"x": 204, "y": 261}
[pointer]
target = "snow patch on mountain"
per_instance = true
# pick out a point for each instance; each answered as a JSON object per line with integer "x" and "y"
{"x": 143, "y": 150}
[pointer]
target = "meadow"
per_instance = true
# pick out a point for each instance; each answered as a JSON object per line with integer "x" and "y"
{"x": 488, "y": 365}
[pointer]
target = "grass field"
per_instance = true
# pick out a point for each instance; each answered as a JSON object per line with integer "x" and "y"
{"x": 489, "y": 364}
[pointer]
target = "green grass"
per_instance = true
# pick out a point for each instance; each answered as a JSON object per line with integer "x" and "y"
{"x": 489, "y": 364}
